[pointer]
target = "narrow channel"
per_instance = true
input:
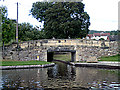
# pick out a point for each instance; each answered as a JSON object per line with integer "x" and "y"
{"x": 60, "y": 77}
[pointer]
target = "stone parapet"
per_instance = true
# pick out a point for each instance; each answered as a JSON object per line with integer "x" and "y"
{"x": 82, "y": 50}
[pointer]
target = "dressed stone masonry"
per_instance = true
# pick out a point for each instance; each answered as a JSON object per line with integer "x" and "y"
{"x": 42, "y": 50}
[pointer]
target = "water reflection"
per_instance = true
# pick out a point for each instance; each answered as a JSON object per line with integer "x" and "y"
{"x": 61, "y": 71}
{"x": 60, "y": 76}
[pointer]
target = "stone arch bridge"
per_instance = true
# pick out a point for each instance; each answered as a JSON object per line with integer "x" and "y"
{"x": 81, "y": 50}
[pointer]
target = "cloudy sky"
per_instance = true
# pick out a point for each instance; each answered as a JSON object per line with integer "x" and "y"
{"x": 103, "y": 13}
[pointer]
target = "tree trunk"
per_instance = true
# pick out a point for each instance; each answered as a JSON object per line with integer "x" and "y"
{"x": 3, "y": 51}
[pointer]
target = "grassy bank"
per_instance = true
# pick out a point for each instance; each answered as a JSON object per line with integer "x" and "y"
{"x": 64, "y": 57}
{"x": 16, "y": 63}
{"x": 115, "y": 58}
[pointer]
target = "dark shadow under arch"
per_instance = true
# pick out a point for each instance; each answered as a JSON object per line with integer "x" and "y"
{"x": 51, "y": 54}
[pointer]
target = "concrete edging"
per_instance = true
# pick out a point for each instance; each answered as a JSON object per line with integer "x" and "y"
{"x": 106, "y": 65}
{"x": 26, "y": 66}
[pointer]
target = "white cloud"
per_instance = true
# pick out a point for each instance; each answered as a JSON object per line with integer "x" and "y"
{"x": 103, "y": 14}
{"x": 24, "y": 11}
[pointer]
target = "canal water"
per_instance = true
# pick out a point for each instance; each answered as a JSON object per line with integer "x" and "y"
{"x": 60, "y": 77}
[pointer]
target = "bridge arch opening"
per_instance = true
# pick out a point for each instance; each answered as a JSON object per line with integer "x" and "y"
{"x": 50, "y": 55}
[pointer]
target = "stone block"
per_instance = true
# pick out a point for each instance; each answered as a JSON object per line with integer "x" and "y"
{"x": 92, "y": 59}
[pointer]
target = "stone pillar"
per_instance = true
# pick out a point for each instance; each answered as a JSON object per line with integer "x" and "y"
{"x": 77, "y": 53}
{"x": 45, "y": 56}
{"x": 77, "y": 56}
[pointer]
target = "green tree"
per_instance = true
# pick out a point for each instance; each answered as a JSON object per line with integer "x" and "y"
{"x": 27, "y": 32}
{"x": 8, "y": 27}
{"x": 37, "y": 34}
{"x": 62, "y": 19}
{"x": 24, "y": 29}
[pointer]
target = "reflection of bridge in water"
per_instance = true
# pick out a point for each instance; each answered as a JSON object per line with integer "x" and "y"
{"x": 58, "y": 77}
{"x": 81, "y": 50}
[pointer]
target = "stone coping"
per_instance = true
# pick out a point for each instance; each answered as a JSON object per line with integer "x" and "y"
{"x": 26, "y": 66}
{"x": 109, "y": 62}
{"x": 102, "y": 64}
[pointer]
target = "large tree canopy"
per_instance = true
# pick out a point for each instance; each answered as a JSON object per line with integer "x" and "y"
{"x": 28, "y": 32}
{"x": 25, "y": 30}
{"x": 8, "y": 26}
{"x": 62, "y": 19}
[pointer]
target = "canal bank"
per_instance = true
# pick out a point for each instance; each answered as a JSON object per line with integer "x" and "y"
{"x": 108, "y": 62}
{"x": 100, "y": 64}
{"x": 26, "y": 66}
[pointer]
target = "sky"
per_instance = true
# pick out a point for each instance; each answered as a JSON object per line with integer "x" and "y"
{"x": 103, "y": 13}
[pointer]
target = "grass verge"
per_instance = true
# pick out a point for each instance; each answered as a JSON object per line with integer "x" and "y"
{"x": 115, "y": 58}
{"x": 16, "y": 63}
{"x": 64, "y": 57}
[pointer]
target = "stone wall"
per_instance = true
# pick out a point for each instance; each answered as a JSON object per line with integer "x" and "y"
{"x": 86, "y": 50}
